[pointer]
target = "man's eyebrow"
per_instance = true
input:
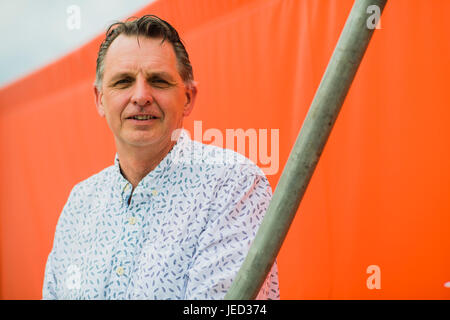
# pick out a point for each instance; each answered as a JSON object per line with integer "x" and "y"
{"x": 121, "y": 75}
{"x": 160, "y": 74}
{"x": 149, "y": 75}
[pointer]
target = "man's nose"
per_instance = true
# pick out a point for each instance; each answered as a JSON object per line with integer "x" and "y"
{"x": 142, "y": 94}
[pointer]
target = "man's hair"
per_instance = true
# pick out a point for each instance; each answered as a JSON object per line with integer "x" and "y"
{"x": 149, "y": 26}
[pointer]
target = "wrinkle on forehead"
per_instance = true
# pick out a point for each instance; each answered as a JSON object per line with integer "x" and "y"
{"x": 151, "y": 54}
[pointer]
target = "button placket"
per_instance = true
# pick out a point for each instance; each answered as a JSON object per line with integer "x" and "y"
{"x": 126, "y": 193}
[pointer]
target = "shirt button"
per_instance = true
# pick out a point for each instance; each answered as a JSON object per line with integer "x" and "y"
{"x": 154, "y": 192}
{"x": 132, "y": 220}
{"x": 120, "y": 271}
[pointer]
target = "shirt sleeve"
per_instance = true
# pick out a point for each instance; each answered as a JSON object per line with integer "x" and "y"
{"x": 239, "y": 205}
{"x": 49, "y": 288}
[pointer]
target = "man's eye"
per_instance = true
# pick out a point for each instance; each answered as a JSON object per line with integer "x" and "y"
{"x": 160, "y": 83}
{"x": 122, "y": 81}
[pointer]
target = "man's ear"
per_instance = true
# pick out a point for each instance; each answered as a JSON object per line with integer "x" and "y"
{"x": 191, "y": 94}
{"x": 98, "y": 101}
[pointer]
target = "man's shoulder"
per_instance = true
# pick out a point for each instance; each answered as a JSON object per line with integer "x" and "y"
{"x": 82, "y": 195}
{"x": 97, "y": 180}
{"x": 222, "y": 159}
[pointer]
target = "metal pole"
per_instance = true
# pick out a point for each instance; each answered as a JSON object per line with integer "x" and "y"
{"x": 307, "y": 149}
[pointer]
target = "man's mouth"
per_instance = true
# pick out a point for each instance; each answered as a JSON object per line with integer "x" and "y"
{"x": 143, "y": 117}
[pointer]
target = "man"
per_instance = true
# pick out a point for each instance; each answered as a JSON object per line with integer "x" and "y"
{"x": 172, "y": 218}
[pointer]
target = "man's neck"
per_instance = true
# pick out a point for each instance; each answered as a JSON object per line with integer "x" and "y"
{"x": 136, "y": 163}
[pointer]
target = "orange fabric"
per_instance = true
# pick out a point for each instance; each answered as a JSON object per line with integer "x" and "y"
{"x": 379, "y": 196}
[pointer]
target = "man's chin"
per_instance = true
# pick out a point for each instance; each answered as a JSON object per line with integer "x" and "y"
{"x": 144, "y": 141}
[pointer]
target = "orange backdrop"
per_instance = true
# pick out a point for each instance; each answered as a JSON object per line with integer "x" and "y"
{"x": 379, "y": 196}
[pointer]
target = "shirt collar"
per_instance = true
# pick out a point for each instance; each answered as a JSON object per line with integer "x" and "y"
{"x": 179, "y": 151}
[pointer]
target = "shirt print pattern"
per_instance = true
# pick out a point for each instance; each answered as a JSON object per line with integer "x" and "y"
{"x": 183, "y": 235}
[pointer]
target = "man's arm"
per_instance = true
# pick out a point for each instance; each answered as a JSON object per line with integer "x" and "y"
{"x": 49, "y": 289}
{"x": 239, "y": 205}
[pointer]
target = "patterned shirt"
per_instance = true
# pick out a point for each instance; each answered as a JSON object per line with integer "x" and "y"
{"x": 183, "y": 233}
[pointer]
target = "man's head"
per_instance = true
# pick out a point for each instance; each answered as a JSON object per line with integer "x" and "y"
{"x": 147, "y": 26}
{"x": 144, "y": 85}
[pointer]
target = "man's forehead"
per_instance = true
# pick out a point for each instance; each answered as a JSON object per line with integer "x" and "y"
{"x": 138, "y": 42}
{"x": 129, "y": 52}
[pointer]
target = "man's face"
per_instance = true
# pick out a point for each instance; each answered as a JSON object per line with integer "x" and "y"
{"x": 143, "y": 96}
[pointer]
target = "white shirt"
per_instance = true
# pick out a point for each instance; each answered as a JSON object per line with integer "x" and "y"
{"x": 184, "y": 235}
